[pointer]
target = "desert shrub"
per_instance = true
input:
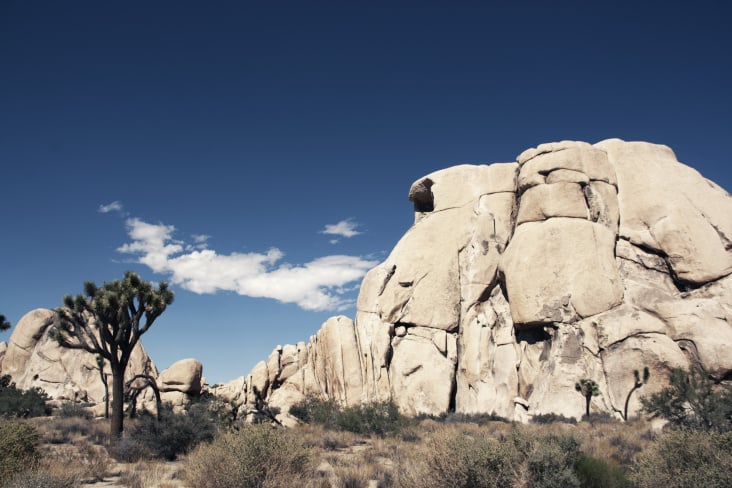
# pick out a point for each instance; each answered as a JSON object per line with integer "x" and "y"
{"x": 255, "y": 456}
{"x": 375, "y": 418}
{"x": 460, "y": 459}
{"x": 128, "y": 450}
{"x": 168, "y": 436}
{"x": 552, "y": 418}
{"x": 599, "y": 418}
{"x": 149, "y": 473}
{"x": 473, "y": 418}
{"x": 626, "y": 449}
{"x": 63, "y": 430}
{"x": 314, "y": 410}
{"x": 693, "y": 400}
{"x": 685, "y": 457}
{"x": 21, "y": 403}
{"x": 551, "y": 461}
{"x": 465, "y": 456}
{"x": 598, "y": 473}
{"x": 18, "y": 441}
{"x": 37, "y": 479}
{"x": 71, "y": 409}
{"x": 95, "y": 460}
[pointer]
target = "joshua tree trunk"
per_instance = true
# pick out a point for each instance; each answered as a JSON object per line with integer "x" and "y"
{"x": 118, "y": 390}
{"x": 588, "y": 399}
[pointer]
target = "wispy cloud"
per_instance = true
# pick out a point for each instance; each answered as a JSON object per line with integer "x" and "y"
{"x": 317, "y": 285}
{"x": 115, "y": 206}
{"x": 344, "y": 228}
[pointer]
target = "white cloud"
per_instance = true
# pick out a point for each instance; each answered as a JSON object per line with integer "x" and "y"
{"x": 115, "y": 206}
{"x": 316, "y": 285}
{"x": 344, "y": 228}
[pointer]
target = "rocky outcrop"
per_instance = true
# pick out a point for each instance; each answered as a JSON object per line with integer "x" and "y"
{"x": 518, "y": 279}
{"x": 34, "y": 359}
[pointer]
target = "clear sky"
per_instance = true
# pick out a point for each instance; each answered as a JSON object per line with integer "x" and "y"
{"x": 258, "y": 155}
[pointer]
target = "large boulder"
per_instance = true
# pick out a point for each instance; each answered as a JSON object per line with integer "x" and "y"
{"x": 183, "y": 376}
{"x": 519, "y": 279}
{"x": 34, "y": 359}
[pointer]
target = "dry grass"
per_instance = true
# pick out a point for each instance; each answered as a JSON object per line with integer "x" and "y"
{"x": 72, "y": 449}
{"x": 147, "y": 474}
{"x": 78, "y": 462}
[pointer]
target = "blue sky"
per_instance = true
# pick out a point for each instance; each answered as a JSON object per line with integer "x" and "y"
{"x": 259, "y": 154}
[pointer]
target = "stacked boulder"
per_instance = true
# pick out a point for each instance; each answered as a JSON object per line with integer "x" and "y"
{"x": 518, "y": 279}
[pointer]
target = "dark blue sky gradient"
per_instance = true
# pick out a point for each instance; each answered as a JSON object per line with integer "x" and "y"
{"x": 259, "y": 123}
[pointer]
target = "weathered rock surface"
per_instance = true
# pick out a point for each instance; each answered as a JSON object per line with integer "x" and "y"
{"x": 518, "y": 279}
{"x": 183, "y": 376}
{"x": 34, "y": 359}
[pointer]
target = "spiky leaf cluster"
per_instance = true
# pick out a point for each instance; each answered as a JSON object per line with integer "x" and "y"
{"x": 646, "y": 375}
{"x": 587, "y": 387}
{"x": 4, "y": 324}
{"x": 108, "y": 320}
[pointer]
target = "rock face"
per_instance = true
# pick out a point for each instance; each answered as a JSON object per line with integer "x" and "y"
{"x": 33, "y": 359}
{"x": 518, "y": 279}
{"x": 184, "y": 376}
{"x": 182, "y": 380}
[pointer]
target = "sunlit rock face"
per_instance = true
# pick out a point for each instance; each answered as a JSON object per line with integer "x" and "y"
{"x": 34, "y": 359}
{"x": 518, "y": 279}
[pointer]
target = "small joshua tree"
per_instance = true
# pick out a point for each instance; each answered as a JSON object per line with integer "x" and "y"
{"x": 638, "y": 384}
{"x": 588, "y": 388}
{"x": 4, "y": 324}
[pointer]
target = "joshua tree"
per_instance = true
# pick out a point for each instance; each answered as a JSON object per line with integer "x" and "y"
{"x": 108, "y": 321}
{"x": 638, "y": 384}
{"x": 4, "y": 324}
{"x": 588, "y": 388}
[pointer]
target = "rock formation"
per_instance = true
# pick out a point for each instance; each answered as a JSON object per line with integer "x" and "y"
{"x": 182, "y": 380}
{"x": 34, "y": 359}
{"x": 518, "y": 279}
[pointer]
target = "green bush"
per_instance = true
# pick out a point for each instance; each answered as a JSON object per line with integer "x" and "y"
{"x": 597, "y": 473}
{"x": 20, "y": 403}
{"x": 314, "y": 410}
{"x": 254, "y": 456}
{"x": 552, "y": 418}
{"x": 18, "y": 453}
{"x": 693, "y": 400}
{"x": 684, "y": 458}
{"x": 375, "y": 418}
{"x": 167, "y": 437}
